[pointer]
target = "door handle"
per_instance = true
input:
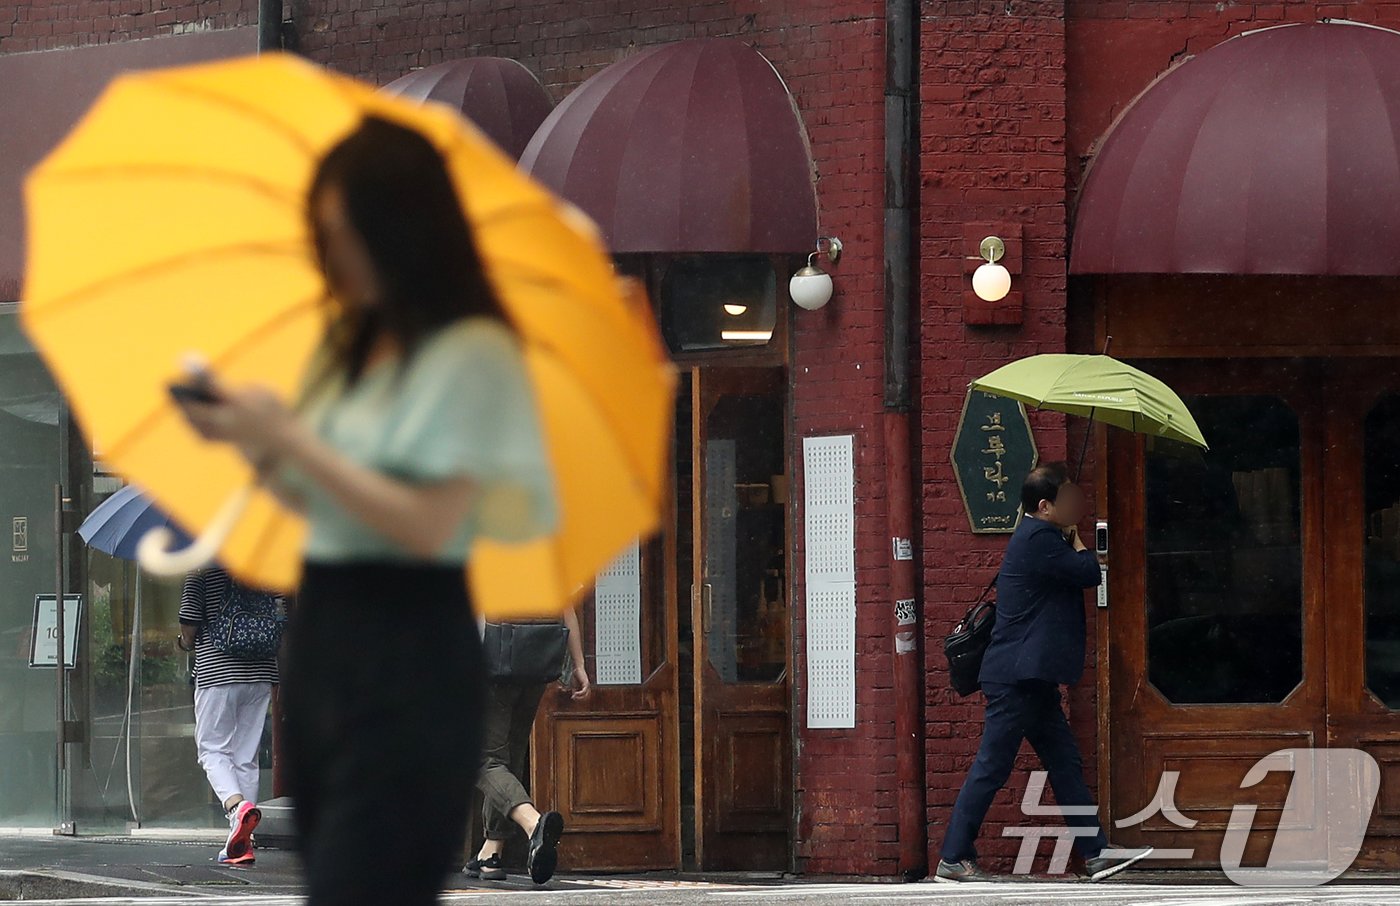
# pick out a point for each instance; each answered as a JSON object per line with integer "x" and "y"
{"x": 707, "y": 602}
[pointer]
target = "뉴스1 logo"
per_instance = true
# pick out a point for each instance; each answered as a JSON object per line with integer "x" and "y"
{"x": 1331, "y": 798}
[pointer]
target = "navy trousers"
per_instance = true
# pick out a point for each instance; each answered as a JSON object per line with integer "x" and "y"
{"x": 1027, "y": 710}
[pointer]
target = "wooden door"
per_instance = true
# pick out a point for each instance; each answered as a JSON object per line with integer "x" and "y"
{"x": 1216, "y": 617}
{"x": 608, "y": 763}
{"x": 1202, "y": 655}
{"x": 1362, "y": 548}
{"x": 743, "y": 755}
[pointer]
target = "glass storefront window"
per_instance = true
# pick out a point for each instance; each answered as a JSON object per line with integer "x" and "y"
{"x": 30, "y": 412}
{"x": 1224, "y": 565}
{"x": 141, "y": 766}
{"x": 136, "y": 762}
{"x": 1382, "y": 534}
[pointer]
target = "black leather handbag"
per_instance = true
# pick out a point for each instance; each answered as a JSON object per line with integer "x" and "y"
{"x": 525, "y": 653}
{"x": 967, "y": 643}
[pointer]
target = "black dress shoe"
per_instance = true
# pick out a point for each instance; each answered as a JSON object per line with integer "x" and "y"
{"x": 957, "y": 872}
{"x": 544, "y": 847}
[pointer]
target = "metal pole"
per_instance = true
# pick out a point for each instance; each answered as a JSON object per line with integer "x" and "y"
{"x": 1088, "y": 428}
{"x": 902, "y": 487}
{"x": 61, "y": 687}
{"x": 269, "y": 25}
{"x": 132, "y": 667}
{"x": 60, "y": 671}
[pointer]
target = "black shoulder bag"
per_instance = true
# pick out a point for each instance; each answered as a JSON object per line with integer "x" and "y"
{"x": 968, "y": 641}
{"x": 526, "y": 653}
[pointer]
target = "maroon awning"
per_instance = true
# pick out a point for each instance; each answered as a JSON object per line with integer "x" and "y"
{"x": 502, "y": 97}
{"x": 689, "y": 147}
{"x": 45, "y": 92}
{"x": 1276, "y": 152}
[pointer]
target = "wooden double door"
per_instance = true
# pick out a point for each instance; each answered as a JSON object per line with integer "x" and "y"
{"x": 1254, "y": 601}
{"x": 682, "y": 757}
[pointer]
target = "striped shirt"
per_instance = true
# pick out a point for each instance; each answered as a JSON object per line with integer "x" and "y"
{"x": 200, "y": 601}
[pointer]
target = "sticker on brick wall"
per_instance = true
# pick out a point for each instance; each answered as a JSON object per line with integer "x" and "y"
{"x": 617, "y": 621}
{"x": 828, "y": 477}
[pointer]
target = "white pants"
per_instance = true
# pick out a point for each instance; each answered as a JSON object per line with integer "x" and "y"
{"x": 228, "y": 726}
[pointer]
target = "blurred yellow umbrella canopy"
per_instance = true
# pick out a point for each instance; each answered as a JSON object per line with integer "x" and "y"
{"x": 172, "y": 220}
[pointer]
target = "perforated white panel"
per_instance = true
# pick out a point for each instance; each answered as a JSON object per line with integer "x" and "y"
{"x": 828, "y": 477}
{"x": 617, "y": 621}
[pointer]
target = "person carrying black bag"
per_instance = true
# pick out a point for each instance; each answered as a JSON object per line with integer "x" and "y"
{"x": 521, "y": 660}
{"x": 234, "y": 633}
{"x": 1037, "y": 643}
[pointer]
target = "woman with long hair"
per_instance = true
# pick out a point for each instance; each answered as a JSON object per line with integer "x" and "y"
{"x": 417, "y": 432}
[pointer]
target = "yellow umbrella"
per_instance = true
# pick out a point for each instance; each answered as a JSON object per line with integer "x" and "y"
{"x": 172, "y": 220}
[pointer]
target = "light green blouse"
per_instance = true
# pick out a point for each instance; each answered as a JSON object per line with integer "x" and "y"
{"x": 462, "y": 407}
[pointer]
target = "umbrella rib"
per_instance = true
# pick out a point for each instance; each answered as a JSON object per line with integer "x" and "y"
{"x": 77, "y": 174}
{"x": 634, "y": 468}
{"x": 155, "y": 267}
{"x": 275, "y": 126}
{"x": 271, "y": 325}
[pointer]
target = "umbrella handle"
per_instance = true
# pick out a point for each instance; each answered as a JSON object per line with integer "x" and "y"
{"x": 158, "y": 557}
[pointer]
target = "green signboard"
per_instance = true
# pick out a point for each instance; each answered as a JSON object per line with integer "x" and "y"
{"x": 992, "y": 454}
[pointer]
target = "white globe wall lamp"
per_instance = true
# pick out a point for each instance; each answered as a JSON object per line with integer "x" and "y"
{"x": 811, "y": 287}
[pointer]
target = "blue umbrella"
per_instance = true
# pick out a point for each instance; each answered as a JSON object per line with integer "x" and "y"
{"x": 116, "y": 527}
{"x": 122, "y": 520}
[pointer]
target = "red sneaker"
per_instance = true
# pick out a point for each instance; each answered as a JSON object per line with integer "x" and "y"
{"x": 244, "y": 819}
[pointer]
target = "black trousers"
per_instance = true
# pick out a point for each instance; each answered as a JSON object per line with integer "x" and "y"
{"x": 1028, "y": 710}
{"x": 381, "y": 689}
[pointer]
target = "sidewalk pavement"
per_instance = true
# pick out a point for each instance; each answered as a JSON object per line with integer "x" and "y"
{"x": 54, "y": 867}
{"x": 49, "y": 867}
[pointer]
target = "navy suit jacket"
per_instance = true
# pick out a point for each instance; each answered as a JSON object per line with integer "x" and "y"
{"x": 1039, "y": 629}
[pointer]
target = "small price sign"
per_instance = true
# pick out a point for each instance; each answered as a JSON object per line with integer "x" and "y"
{"x": 43, "y": 644}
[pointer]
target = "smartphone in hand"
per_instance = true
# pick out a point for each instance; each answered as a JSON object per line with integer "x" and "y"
{"x": 197, "y": 387}
{"x": 192, "y": 392}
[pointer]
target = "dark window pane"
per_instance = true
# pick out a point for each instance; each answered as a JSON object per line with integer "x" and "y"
{"x": 717, "y": 302}
{"x": 1224, "y": 566}
{"x": 745, "y": 499}
{"x": 1383, "y": 551}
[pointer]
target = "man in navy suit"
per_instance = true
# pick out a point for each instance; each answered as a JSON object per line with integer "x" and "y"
{"x": 1037, "y": 644}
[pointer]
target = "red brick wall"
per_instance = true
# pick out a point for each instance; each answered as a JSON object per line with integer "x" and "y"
{"x": 993, "y": 142}
{"x": 845, "y": 779}
{"x": 1117, "y": 47}
{"x": 834, "y": 65}
{"x": 1011, "y": 90}
{"x": 27, "y": 25}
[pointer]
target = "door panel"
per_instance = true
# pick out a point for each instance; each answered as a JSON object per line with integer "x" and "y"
{"x": 1235, "y": 682}
{"x": 613, "y": 765}
{"x": 752, "y": 752}
{"x": 1363, "y": 596}
{"x": 743, "y": 750}
{"x": 611, "y": 777}
{"x": 608, "y": 763}
{"x": 1217, "y": 648}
